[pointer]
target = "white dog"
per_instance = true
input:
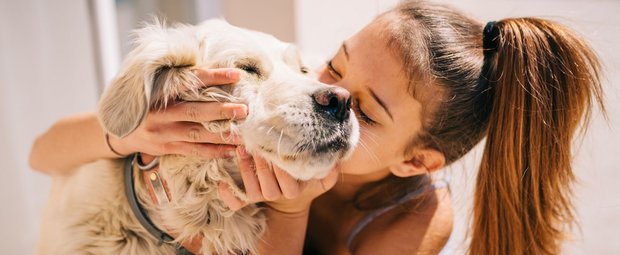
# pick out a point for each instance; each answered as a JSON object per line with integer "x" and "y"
{"x": 294, "y": 121}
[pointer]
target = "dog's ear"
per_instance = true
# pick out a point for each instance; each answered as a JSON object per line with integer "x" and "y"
{"x": 124, "y": 104}
{"x": 136, "y": 89}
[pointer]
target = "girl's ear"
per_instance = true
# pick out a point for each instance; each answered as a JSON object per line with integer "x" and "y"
{"x": 421, "y": 162}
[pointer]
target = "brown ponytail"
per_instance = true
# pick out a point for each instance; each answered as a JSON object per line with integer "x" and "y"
{"x": 543, "y": 79}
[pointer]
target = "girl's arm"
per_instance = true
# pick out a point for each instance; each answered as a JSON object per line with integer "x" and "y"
{"x": 80, "y": 139}
{"x": 285, "y": 233}
{"x": 70, "y": 142}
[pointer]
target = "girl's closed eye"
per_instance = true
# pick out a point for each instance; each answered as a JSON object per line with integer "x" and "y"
{"x": 332, "y": 71}
{"x": 362, "y": 114}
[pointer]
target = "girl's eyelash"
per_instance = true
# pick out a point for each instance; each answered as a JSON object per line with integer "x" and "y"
{"x": 332, "y": 70}
{"x": 362, "y": 115}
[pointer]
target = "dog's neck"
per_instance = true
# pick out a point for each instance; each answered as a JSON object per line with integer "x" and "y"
{"x": 156, "y": 186}
{"x": 195, "y": 208}
{"x": 159, "y": 193}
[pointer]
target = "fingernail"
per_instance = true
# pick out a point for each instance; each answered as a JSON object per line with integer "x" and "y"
{"x": 237, "y": 139}
{"x": 242, "y": 152}
{"x": 240, "y": 112}
{"x": 231, "y": 154}
{"x": 223, "y": 185}
{"x": 232, "y": 74}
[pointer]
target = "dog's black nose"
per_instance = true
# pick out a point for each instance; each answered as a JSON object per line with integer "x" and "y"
{"x": 335, "y": 101}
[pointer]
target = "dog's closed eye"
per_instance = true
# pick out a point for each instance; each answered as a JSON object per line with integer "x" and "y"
{"x": 251, "y": 69}
{"x": 303, "y": 69}
{"x": 251, "y": 66}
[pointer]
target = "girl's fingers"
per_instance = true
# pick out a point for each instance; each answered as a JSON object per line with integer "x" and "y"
{"x": 229, "y": 198}
{"x": 248, "y": 175}
{"x": 288, "y": 185}
{"x": 268, "y": 182}
{"x": 204, "y": 150}
{"x": 330, "y": 180}
{"x": 201, "y": 112}
{"x": 195, "y": 133}
{"x": 264, "y": 184}
{"x": 217, "y": 76}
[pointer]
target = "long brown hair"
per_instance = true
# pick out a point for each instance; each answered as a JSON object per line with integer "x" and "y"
{"x": 544, "y": 79}
{"x": 528, "y": 96}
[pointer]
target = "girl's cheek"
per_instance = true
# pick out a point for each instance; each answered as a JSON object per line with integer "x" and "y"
{"x": 325, "y": 77}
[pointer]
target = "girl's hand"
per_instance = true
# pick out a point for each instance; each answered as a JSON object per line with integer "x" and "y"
{"x": 268, "y": 183}
{"x": 178, "y": 129}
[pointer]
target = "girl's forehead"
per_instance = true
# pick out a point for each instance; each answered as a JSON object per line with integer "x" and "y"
{"x": 379, "y": 67}
{"x": 375, "y": 30}
{"x": 384, "y": 65}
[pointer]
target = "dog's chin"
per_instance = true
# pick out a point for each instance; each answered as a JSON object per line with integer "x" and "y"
{"x": 305, "y": 167}
{"x": 303, "y": 156}
{"x": 308, "y": 164}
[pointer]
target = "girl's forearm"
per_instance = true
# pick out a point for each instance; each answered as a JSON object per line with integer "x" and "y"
{"x": 285, "y": 233}
{"x": 69, "y": 143}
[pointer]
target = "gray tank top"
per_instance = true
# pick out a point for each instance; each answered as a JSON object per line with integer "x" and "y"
{"x": 437, "y": 184}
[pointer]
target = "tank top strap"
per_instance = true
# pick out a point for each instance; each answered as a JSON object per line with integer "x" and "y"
{"x": 438, "y": 184}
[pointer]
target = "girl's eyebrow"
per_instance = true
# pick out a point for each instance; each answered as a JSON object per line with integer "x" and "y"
{"x": 381, "y": 103}
{"x": 372, "y": 93}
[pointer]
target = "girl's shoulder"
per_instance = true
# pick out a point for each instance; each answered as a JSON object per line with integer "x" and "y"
{"x": 419, "y": 226}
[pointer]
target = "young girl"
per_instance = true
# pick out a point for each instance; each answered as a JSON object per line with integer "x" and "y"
{"x": 428, "y": 84}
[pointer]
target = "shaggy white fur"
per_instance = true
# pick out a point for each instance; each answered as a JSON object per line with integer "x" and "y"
{"x": 88, "y": 212}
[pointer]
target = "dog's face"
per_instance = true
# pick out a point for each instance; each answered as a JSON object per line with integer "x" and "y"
{"x": 296, "y": 122}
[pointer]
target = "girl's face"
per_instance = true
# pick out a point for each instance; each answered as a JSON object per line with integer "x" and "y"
{"x": 389, "y": 115}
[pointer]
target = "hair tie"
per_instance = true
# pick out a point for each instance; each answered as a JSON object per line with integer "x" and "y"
{"x": 490, "y": 37}
{"x": 107, "y": 141}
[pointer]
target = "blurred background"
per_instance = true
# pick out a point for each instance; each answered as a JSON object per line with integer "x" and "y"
{"x": 56, "y": 57}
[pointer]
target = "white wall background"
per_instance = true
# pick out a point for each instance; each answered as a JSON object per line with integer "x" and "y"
{"x": 48, "y": 70}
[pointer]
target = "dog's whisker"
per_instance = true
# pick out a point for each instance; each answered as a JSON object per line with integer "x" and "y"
{"x": 279, "y": 142}
{"x": 273, "y": 104}
{"x": 369, "y": 151}
{"x": 368, "y": 134}
{"x": 369, "y": 141}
